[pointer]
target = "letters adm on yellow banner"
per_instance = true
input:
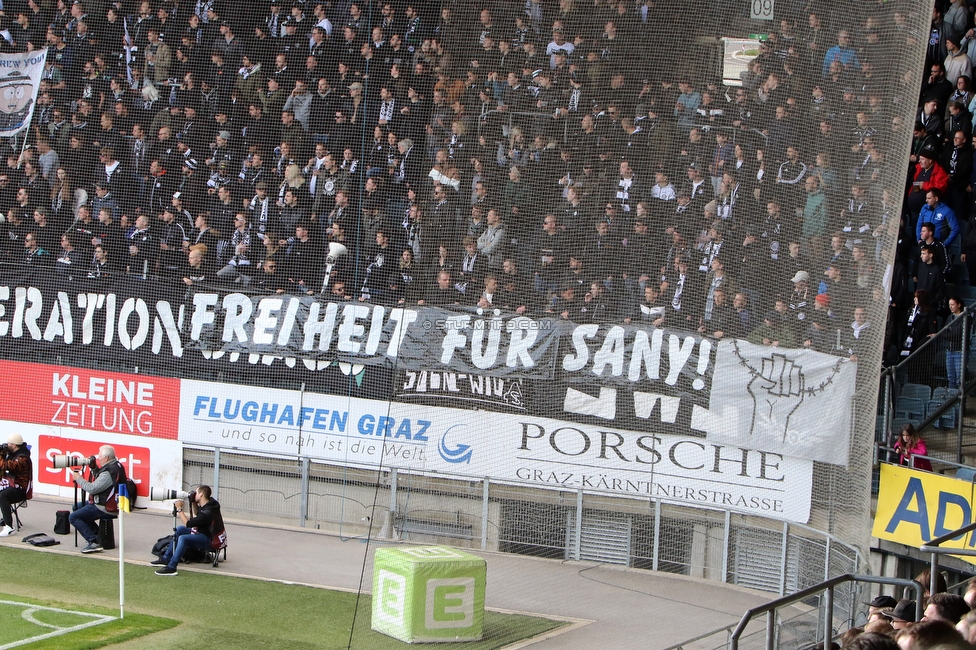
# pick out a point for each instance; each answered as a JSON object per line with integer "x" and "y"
{"x": 915, "y": 507}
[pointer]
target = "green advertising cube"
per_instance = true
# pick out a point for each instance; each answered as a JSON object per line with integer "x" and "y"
{"x": 428, "y": 594}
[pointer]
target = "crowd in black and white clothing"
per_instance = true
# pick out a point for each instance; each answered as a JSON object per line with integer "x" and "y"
{"x": 545, "y": 158}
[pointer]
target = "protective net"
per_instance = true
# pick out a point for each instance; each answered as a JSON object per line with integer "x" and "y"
{"x": 600, "y": 280}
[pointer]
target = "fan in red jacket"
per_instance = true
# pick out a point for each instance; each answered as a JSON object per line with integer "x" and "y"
{"x": 928, "y": 175}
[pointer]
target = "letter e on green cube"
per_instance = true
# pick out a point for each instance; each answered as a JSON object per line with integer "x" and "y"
{"x": 428, "y": 594}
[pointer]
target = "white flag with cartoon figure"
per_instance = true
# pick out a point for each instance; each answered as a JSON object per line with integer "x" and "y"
{"x": 794, "y": 402}
{"x": 20, "y": 76}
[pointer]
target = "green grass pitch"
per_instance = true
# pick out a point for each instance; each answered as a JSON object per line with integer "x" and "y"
{"x": 207, "y": 609}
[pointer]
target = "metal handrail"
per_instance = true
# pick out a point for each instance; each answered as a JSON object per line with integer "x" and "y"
{"x": 941, "y": 461}
{"x": 727, "y": 629}
{"x": 935, "y": 548}
{"x": 959, "y": 398}
{"x": 827, "y": 586}
{"x": 888, "y": 375}
{"x": 486, "y": 113}
{"x": 969, "y": 311}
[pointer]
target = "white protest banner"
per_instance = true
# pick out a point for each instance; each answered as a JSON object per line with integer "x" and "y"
{"x": 795, "y": 402}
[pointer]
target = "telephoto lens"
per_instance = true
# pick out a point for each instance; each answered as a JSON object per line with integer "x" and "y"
{"x": 160, "y": 494}
{"x": 62, "y": 461}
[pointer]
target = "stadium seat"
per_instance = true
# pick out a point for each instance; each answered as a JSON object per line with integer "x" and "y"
{"x": 918, "y": 391}
{"x": 941, "y": 394}
{"x": 945, "y": 421}
{"x": 910, "y": 408}
{"x": 966, "y": 292}
{"x": 949, "y": 419}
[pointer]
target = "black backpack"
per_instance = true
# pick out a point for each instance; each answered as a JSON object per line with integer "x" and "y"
{"x": 191, "y": 555}
{"x": 130, "y": 487}
{"x": 161, "y": 545}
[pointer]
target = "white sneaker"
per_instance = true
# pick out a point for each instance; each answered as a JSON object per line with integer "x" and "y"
{"x": 7, "y": 531}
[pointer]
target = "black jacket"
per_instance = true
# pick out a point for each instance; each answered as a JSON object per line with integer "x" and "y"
{"x": 929, "y": 278}
{"x": 208, "y": 520}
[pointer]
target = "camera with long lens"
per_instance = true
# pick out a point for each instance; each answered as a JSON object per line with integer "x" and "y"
{"x": 160, "y": 494}
{"x": 63, "y": 461}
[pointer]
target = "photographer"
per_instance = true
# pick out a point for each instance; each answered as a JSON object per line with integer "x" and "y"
{"x": 106, "y": 472}
{"x": 195, "y": 533}
{"x": 16, "y": 470}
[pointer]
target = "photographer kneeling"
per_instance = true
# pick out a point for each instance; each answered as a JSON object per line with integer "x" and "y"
{"x": 195, "y": 533}
{"x": 101, "y": 489}
{"x": 16, "y": 470}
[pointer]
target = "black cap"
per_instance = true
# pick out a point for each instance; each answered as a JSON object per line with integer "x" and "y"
{"x": 884, "y": 602}
{"x": 903, "y": 611}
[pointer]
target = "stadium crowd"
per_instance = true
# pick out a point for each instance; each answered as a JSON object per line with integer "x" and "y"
{"x": 948, "y": 622}
{"x": 504, "y": 155}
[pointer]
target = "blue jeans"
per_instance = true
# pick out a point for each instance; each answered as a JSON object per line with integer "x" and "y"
{"x": 83, "y": 518}
{"x": 954, "y": 368}
{"x": 183, "y": 540}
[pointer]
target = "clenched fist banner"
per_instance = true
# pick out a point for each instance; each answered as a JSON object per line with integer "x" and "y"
{"x": 795, "y": 402}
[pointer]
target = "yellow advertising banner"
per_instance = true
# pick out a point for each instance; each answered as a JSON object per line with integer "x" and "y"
{"x": 915, "y": 507}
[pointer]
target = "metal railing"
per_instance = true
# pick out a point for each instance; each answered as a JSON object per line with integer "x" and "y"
{"x": 418, "y": 505}
{"x": 824, "y": 590}
{"x": 883, "y": 450}
{"x": 935, "y": 548}
{"x": 924, "y": 355}
{"x": 487, "y": 114}
{"x": 734, "y": 133}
